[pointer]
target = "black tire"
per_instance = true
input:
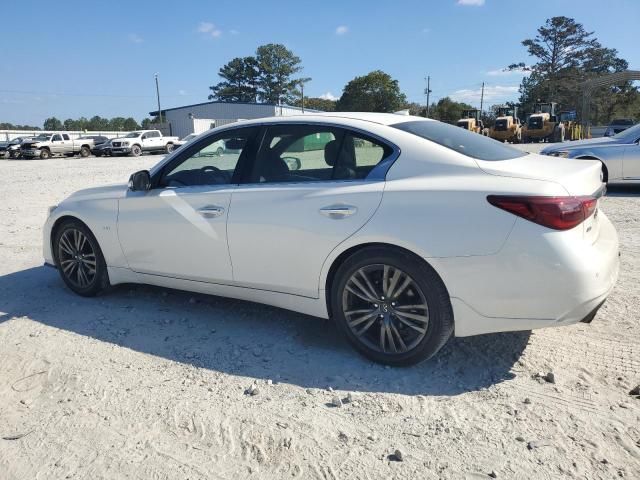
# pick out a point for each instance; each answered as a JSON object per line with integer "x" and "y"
{"x": 429, "y": 289}
{"x": 85, "y": 152}
{"x": 220, "y": 151}
{"x": 169, "y": 147}
{"x": 98, "y": 154}
{"x": 89, "y": 251}
{"x": 136, "y": 151}
{"x": 44, "y": 154}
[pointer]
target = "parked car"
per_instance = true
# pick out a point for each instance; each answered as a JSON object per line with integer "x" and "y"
{"x": 48, "y": 145}
{"x": 402, "y": 229}
{"x": 103, "y": 148}
{"x": 185, "y": 139}
{"x": 618, "y": 125}
{"x": 11, "y": 148}
{"x": 97, "y": 139}
{"x": 143, "y": 141}
{"x": 619, "y": 155}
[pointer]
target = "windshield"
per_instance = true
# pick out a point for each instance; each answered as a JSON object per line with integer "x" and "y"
{"x": 460, "y": 140}
{"x": 133, "y": 135}
{"x": 42, "y": 136}
{"x": 629, "y": 135}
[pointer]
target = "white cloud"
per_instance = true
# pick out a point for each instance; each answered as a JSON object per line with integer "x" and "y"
{"x": 209, "y": 29}
{"x": 135, "y": 38}
{"x": 492, "y": 93}
{"x": 471, "y": 3}
{"x": 342, "y": 30}
{"x": 505, "y": 71}
{"x": 233, "y": 31}
{"x": 328, "y": 96}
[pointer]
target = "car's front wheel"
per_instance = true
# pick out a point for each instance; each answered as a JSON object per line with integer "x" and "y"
{"x": 79, "y": 259}
{"x": 392, "y": 307}
{"x": 136, "y": 151}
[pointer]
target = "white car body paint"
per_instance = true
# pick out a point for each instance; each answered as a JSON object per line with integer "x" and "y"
{"x": 272, "y": 245}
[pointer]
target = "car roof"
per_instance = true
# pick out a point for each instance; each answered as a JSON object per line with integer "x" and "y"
{"x": 373, "y": 117}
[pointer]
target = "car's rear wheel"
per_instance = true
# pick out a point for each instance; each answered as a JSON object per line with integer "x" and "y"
{"x": 169, "y": 148}
{"x": 392, "y": 308}
{"x": 79, "y": 259}
{"x": 85, "y": 152}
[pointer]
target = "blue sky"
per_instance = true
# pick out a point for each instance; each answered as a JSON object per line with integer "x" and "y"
{"x": 100, "y": 58}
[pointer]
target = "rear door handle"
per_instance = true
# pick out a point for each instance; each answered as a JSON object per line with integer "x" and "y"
{"x": 338, "y": 211}
{"x": 211, "y": 211}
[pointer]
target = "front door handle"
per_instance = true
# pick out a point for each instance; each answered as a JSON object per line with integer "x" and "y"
{"x": 211, "y": 211}
{"x": 338, "y": 211}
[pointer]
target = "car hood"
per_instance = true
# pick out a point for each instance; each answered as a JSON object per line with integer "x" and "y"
{"x": 99, "y": 193}
{"x": 579, "y": 144}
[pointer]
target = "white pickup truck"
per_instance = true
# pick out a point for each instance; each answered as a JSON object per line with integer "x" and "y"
{"x": 140, "y": 141}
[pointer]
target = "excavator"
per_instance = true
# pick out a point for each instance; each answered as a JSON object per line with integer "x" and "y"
{"x": 471, "y": 121}
{"x": 544, "y": 124}
{"x": 507, "y": 126}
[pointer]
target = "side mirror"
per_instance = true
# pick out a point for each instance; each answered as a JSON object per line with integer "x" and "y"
{"x": 140, "y": 181}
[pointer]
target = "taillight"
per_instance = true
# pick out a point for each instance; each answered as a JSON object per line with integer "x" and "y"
{"x": 559, "y": 213}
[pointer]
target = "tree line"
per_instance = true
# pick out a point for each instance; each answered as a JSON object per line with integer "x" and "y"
{"x": 564, "y": 55}
{"x": 96, "y": 123}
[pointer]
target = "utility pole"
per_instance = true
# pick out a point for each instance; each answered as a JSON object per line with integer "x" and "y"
{"x": 428, "y": 91}
{"x": 301, "y": 82}
{"x": 481, "y": 99}
{"x": 158, "y": 96}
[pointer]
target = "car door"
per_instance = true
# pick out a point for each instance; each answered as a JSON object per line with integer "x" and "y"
{"x": 57, "y": 144}
{"x": 310, "y": 188}
{"x": 631, "y": 162}
{"x": 147, "y": 141}
{"x": 178, "y": 228}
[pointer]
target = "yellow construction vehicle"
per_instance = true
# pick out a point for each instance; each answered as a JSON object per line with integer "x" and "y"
{"x": 471, "y": 121}
{"x": 544, "y": 124}
{"x": 507, "y": 126}
{"x": 572, "y": 129}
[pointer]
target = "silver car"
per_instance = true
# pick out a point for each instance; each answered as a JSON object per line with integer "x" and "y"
{"x": 620, "y": 154}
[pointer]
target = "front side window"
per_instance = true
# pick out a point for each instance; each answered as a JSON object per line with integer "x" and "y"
{"x": 312, "y": 153}
{"x": 212, "y": 161}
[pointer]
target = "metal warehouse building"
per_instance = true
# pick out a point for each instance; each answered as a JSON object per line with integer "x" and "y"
{"x": 200, "y": 117}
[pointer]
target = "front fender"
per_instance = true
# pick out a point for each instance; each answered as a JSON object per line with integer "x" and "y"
{"x": 100, "y": 216}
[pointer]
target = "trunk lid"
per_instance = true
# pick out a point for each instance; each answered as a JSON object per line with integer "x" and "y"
{"x": 578, "y": 177}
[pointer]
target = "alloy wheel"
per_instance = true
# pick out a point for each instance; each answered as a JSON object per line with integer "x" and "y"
{"x": 77, "y": 258}
{"x": 385, "y": 309}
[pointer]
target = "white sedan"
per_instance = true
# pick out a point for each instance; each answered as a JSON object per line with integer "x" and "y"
{"x": 403, "y": 230}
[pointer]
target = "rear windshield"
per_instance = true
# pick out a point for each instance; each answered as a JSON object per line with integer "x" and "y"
{"x": 461, "y": 140}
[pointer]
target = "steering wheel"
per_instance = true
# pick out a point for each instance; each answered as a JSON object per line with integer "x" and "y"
{"x": 216, "y": 172}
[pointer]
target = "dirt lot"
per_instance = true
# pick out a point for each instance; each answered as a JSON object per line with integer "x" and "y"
{"x": 145, "y": 383}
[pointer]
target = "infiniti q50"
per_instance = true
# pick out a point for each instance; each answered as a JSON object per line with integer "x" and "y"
{"x": 403, "y": 230}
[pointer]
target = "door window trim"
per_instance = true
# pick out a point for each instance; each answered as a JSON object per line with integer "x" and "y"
{"x": 377, "y": 174}
{"x": 195, "y": 146}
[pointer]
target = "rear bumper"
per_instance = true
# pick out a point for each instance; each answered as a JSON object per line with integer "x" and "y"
{"x": 535, "y": 281}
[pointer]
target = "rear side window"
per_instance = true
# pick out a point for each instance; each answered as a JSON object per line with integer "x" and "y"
{"x": 460, "y": 140}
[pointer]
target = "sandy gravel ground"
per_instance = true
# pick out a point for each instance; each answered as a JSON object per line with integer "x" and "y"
{"x": 145, "y": 383}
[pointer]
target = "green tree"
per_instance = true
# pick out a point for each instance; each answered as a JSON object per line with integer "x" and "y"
{"x": 276, "y": 66}
{"x": 240, "y": 82}
{"x": 374, "y": 92}
{"x": 98, "y": 123}
{"x": 11, "y": 126}
{"x": 448, "y": 110}
{"x": 316, "y": 103}
{"x": 130, "y": 124}
{"x": 52, "y": 123}
{"x": 147, "y": 122}
{"x": 566, "y": 55}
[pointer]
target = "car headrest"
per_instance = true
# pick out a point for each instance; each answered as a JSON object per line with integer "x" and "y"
{"x": 331, "y": 152}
